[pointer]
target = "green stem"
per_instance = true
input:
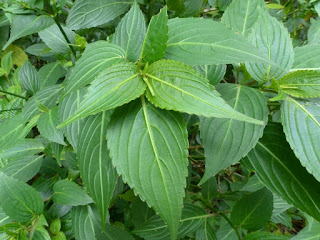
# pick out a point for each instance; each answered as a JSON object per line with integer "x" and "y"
{"x": 222, "y": 214}
{"x": 56, "y": 20}
{"x": 13, "y": 94}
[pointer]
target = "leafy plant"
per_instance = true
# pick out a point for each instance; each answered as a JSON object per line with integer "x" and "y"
{"x": 159, "y": 119}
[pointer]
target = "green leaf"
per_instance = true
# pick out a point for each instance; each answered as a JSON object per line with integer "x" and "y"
{"x": 198, "y": 41}
{"x": 6, "y": 62}
{"x": 309, "y": 233}
{"x": 246, "y": 213}
{"x": 214, "y": 73}
{"x": 11, "y": 131}
{"x": 66, "y": 109}
{"x": 97, "y": 57}
{"x": 314, "y": 32}
{"x": 23, "y": 25}
{"x": 176, "y": 5}
{"x": 50, "y": 73}
{"x": 112, "y": 232}
{"x": 86, "y": 14}
{"x": 265, "y": 236}
{"x": 82, "y": 223}
{"x": 153, "y": 156}
{"x": 117, "y": 85}
{"x": 226, "y": 141}
{"x": 193, "y": 217}
{"x": 97, "y": 172}
{"x": 69, "y": 193}
{"x": 47, "y": 125}
{"x": 209, "y": 189}
{"x": 253, "y": 185}
{"x": 241, "y": 15}
{"x": 29, "y": 77}
{"x": 155, "y": 41}
{"x": 18, "y": 200}
{"x": 179, "y": 87}
{"x": 4, "y": 219}
{"x": 280, "y": 171}
{"x": 279, "y": 205}
{"x": 193, "y": 8}
{"x": 54, "y": 39}
{"x": 130, "y": 33}
{"x": 301, "y": 121}
{"x": 226, "y": 232}
{"x": 206, "y": 232}
{"x": 307, "y": 57}
{"x": 22, "y": 148}
{"x": 273, "y": 39}
{"x": 301, "y": 83}
{"x": 23, "y": 168}
{"x": 41, "y": 101}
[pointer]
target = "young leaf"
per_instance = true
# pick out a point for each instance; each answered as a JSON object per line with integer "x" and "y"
{"x": 18, "y": 200}
{"x": 50, "y": 73}
{"x": 86, "y": 14}
{"x": 246, "y": 213}
{"x": 301, "y": 83}
{"x": 130, "y": 33}
{"x": 241, "y": 15}
{"x": 82, "y": 223}
{"x": 155, "y": 229}
{"x": 54, "y": 39}
{"x": 41, "y": 101}
{"x": 23, "y": 25}
{"x": 280, "y": 171}
{"x": 175, "y": 86}
{"x": 153, "y": 156}
{"x": 6, "y": 63}
{"x": 214, "y": 73}
{"x": 301, "y": 121}
{"x": 23, "y": 168}
{"x": 66, "y": 109}
{"x": 47, "y": 125}
{"x": 226, "y": 141}
{"x": 69, "y": 193}
{"x": 197, "y": 41}
{"x": 307, "y": 56}
{"x": 273, "y": 39}
{"x": 117, "y": 85}
{"x": 97, "y": 57}
{"x": 95, "y": 165}
{"x": 29, "y": 77}
{"x": 155, "y": 41}
{"x": 22, "y": 148}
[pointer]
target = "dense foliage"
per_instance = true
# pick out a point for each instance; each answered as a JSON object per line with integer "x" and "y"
{"x": 154, "y": 119}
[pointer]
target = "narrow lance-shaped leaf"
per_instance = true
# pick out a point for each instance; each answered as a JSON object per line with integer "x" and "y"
{"x": 175, "y": 86}
{"x": 226, "y": 141}
{"x": 66, "y": 109}
{"x": 241, "y": 15}
{"x": 197, "y": 41}
{"x": 152, "y": 158}
{"x": 301, "y": 83}
{"x": 155, "y": 229}
{"x": 130, "y": 33}
{"x": 47, "y": 125}
{"x": 97, "y": 57}
{"x": 246, "y": 212}
{"x": 114, "y": 87}
{"x": 273, "y": 39}
{"x": 19, "y": 200}
{"x": 155, "y": 42}
{"x": 86, "y": 14}
{"x": 69, "y": 193}
{"x": 23, "y": 25}
{"x": 97, "y": 172}
{"x": 301, "y": 122}
{"x": 279, "y": 170}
